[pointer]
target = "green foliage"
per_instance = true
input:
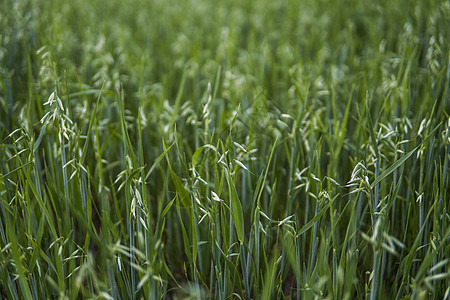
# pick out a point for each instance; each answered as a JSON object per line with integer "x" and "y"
{"x": 218, "y": 149}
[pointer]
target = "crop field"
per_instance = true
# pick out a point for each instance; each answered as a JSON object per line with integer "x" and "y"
{"x": 200, "y": 149}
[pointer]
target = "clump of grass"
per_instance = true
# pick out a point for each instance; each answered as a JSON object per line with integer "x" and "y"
{"x": 269, "y": 150}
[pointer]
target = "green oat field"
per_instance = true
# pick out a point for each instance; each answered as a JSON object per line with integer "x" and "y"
{"x": 200, "y": 149}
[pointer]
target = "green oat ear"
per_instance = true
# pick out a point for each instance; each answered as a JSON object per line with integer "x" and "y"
{"x": 399, "y": 162}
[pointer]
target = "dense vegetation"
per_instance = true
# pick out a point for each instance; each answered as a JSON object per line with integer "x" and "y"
{"x": 224, "y": 149}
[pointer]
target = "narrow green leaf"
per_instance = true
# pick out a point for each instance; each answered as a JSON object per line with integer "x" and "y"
{"x": 236, "y": 208}
{"x": 91, "y": 122}
{"x": 166, "y": 209}
{"x": 157, "y": 161}
{"x": 41, "y": 134}
{"x": 313, "y": 220}
{"x": 199, "y": 151}
{"x": 181, "y": 190}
